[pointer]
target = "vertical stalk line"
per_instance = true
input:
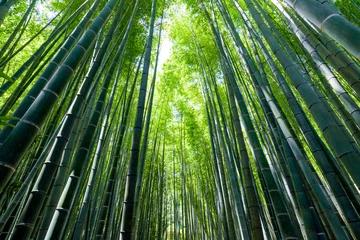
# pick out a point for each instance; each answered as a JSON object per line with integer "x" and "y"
{"x": 128, "y": 207}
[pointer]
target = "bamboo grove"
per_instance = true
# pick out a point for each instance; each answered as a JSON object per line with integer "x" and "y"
{"x": 183, "y": 119}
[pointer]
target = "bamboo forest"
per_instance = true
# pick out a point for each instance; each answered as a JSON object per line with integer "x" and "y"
{"x": 180, "y": 119}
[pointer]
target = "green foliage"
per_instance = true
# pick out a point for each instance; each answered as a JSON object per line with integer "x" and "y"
{"x": 4, "y": 121}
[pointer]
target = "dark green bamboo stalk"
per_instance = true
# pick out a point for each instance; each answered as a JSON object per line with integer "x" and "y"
{"x": 16, "y": 144}
{"x": 128, "y": 208}
{"x": 280, "y": 209}
{"x": 147, "y": 124}
{"x": 62, "y": 173}
{"x": 36, "y": 57}
{"x": 331, "y": 22}
{"x": 56, "y": 227}
{"x": 49, "y": 71}
{"x": 4, "y": 9}
{"x": 326, "y": 122}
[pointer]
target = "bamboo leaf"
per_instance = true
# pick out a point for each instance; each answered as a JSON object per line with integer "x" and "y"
{"x": 6, "y": 118}
{"x": 3, "y": 75}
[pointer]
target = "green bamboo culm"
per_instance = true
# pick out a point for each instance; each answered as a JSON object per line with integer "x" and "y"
{"x": 343, "y": 149}
{"x": 114, "y": 166}
{"x": 49, "y": 71}
{"x": 128, "y": 208}
{"x": 37, "y": 197}
{"x": 56, "y": 227}
{"x": 331, "y": 22}
{"x": 20, "y": 138}
{"x": 147, "y": 124}
{"x": 4, "y": 9}
{"x": 285, "y": 224}
{"x": 35, "y": 59}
